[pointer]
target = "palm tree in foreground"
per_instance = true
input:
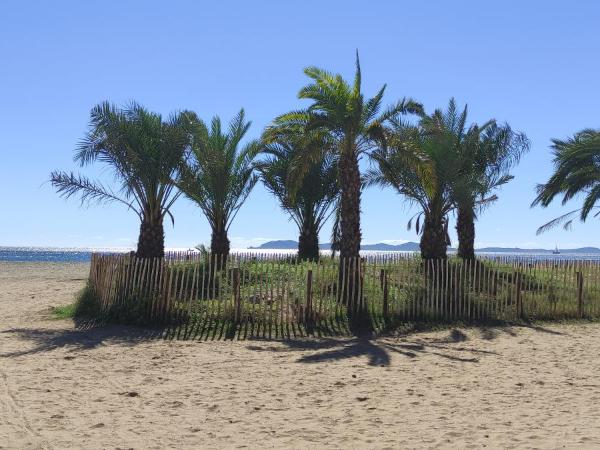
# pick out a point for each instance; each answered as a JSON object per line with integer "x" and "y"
{"x": 144, "y": 152}
{"x": 576, "y": 171}
{"x": 355, "y": 125}
{"x": 219, "y": 175}
{"x": 308, "y": 201}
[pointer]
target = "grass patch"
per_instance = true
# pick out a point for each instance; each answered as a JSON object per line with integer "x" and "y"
{"x": 85, "y": 306}
{"x": 64, "y": 312}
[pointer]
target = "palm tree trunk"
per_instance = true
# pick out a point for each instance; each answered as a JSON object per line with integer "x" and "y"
{"x": 219, "y": 246}
{"x": 349, "y": 278}
{"x": 465, "y": 228}
{"x": 308, "y": 242}
{"x": 350, "y": 206}
{"x": 433, "y": 239}
{"x": 151, "y": 241}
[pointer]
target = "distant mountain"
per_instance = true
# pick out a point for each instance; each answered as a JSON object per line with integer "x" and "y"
{"x": 406, "y": 247}
{"x": 291, "y": 245}
{"x": 277, "y": 245}
{"x": 414, "y": 247}
{"x": 581, "y": 250}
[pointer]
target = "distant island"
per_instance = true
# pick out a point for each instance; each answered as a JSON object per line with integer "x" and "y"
{"x": 414, "y": 247}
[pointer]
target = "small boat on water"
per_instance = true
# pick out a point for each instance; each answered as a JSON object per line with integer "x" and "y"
{"x": 556, "y": 251}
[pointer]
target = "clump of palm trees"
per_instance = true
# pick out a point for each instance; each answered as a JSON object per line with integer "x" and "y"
{"x": 443, "y": 165}
{"x": 309, "y": 198}
{"x": 355, "y": 126}
{"x": 309, "y": 160}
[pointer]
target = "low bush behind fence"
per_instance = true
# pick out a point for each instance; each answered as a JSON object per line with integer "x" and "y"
{"x": 274, "y": 294}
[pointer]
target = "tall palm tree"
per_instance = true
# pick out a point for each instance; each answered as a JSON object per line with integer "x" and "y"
{"x": 487, "y": 153}
{"x": 144, "y": 152}
{"x": 308, "y": 201}
{"x": 356, "y": 127}
{"x": 576, "y": 171}
{"x": 420, "y": 165}
{"x": 219, "y": 175}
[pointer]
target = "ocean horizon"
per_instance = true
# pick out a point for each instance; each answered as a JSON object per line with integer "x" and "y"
{"x": 83, "y": 254}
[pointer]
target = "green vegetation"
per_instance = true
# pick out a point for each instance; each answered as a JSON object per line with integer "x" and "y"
{"x": 310, "y": 200}
{"x": 85, "y": 306}
{"x": 309, "y": 160}
{"x": 576, "y": 171}
{"x": 355, "y": 125}
{"x": 298, "y": 297}
{"x": 442, "y": 165}
{"x": 144, "y": 153}
{"x": 486, "y": 154}
{"x": 64, "y": 312}
{"x": 218, "y": 175}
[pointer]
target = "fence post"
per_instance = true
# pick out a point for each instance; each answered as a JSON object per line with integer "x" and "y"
{"x": 308, "y": 314}
{"x": 495, "y": 285}
{"x": 519, "y": 298}
{"x": 361, "y": 300}
{"x": 384, "y": 282}
{"x": 237, "y": 300}
{"x": 580, "y": 294}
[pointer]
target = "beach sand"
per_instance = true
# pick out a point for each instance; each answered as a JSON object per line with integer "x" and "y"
{"x": 114, "y": 387}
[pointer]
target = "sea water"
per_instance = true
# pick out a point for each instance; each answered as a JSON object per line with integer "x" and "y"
{"x": 72, "y": 255}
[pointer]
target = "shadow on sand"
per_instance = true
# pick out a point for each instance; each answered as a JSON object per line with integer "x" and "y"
{"x": 378, "y": 351}
{"x": 85, "y": 336}
{"x": 89, "y": 334}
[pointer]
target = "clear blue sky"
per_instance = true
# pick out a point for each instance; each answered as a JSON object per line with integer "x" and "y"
{"x": 534, "y": 64}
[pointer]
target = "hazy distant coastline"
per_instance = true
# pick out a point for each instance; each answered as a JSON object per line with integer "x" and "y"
{"x": 414, "y": 247}
{"x": 70, "y": 255}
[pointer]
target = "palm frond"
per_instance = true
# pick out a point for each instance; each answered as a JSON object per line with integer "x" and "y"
{"x": 67, "y": 184}
{"x": 566, "y": 220}
{"x": 576, "y": 171}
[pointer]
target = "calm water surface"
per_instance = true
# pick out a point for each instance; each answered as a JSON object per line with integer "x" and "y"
{"x": 38, "y": 254}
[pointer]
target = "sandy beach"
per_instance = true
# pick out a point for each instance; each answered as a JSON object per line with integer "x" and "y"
{"x": 116, "y": 387}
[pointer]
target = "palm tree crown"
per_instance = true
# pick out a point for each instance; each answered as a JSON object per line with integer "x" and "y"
{"x": 310, "y": 200}
{"x": 421, "y": 167}
{"x": 576, "y": 171}
{"x": 144, "y": 152}
{"x": 356, "y": 127}
{"x": 442, "y": 165}
{"x": 219, "y": 174}
{"x": 486, "y": 154}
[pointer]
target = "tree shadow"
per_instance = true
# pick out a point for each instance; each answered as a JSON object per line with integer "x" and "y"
{"x": 91, "y": 334}
{"x": 86, "y": 336}
{"x": 377, "y": 351}
{"x": 541, "y": 329}
{"x": 335, "y": 349}
{"x": 492, "y": 331}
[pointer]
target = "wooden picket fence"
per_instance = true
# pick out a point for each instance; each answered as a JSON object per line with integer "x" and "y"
{"x": 279, "y": 296}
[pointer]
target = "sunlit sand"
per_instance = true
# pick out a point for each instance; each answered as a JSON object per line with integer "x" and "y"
{"x": 117, "y": 387}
